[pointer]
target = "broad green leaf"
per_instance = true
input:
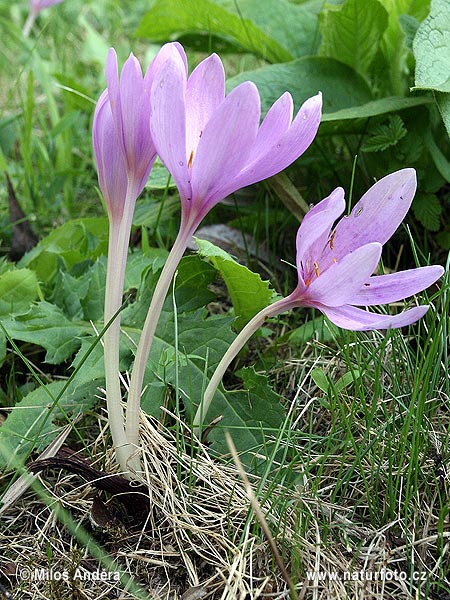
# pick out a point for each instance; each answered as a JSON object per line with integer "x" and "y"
{"x": 29, "y": 426}
{"x": 68, "y": 292}
{"x": 352, "y": 32}
{"x": 73, "y": 242}
{"x": 46, "y": 325}
{"x": 93, "y": 302}
{"x": 313, "y": 329}
{"x": 150, "y": 211}
{"x": 376, "y": 108}
{"x": 320, "y": 379}
{"x": 427, "y": 209}
{"x": 439, "y": 159}
{"x": 395, "y": 44}
{"x": 159, "y": 177}
{"x": 432, "y": 49}
{"x": 168, "y": 18}
{"x": 443, "y": 102}
{"x": 251, "y": 415}
{"x": 340, "y": 85}
{"x": 18, "y": 289}
{"x": 248, "y": 292}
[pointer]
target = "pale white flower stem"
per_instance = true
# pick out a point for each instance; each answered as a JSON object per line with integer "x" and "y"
{"x": 119, "y": 237}
{"x": 29, "y": 23}
{"x": 236, "y": 346}
{"x": 146, "y": 339}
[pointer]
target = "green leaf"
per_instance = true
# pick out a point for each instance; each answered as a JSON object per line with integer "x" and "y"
{"x": 376, "y": 108}
{"x": 340, "y": 85}
{"x": 352, "y": 32}
{"x": 395, "y": 44}
{"x": 248, "y": 292}
{"x": 160, "y": 178}
{"x": 441, "y": 162}
{"x": 432, "y": 49}
{"x": 250, "y": 415}
{"x": 30, "y": 427}
{"x": 46, "y": 325}
{"x": 168, "y": 18}
{"x": 427, "y": 209}
{"x": 73, "y": 242}
{"x": 18, "y": 289}
{"x": 443, "y": 102}
{"x": 382, "y": 136}
{"x": 320, "y": 379}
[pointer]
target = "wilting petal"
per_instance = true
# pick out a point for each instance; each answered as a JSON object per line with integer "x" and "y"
{"x": 339, "y": 284}
{"x": 225, "y": 145}
{"x": 168, "y": 119}
{"x": 287, "y": 148}
{"x": 205, "y": 92}
{"x": 357, "y": 319}
{"x": 376, "y": 216}
{"x": 383, "y": 289}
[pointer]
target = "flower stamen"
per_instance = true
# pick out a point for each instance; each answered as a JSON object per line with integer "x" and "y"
{"x": 191, "y": 159}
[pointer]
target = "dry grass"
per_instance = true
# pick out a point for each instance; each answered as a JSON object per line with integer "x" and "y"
{"x": 200, "y": 538}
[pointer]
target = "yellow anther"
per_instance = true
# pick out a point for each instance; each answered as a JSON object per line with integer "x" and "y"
{"x": 191, "y": 158}
{"x": 331, "y": 241}
{"x": 316, "y": 268}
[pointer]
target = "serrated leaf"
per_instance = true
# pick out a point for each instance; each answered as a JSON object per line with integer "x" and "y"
{"x": 432, "y": 49}
{"x": 250, "y": 415}
{"x": 73, "y": 242}
{"x": 427, "y": 209}
{"x": 254, "y": 25}
{"x": 352, "y": 32}
{"x": 30, "y": 426}
{"x": 248, "y": 292}
{"x": 46, "y": 325}
{"x": 92, "y": 302}
{"x": 68, "y": 292}
{"x": 340, "y": 85}
{"x": 384, "y": 135}
{"x": 18, "y": 289}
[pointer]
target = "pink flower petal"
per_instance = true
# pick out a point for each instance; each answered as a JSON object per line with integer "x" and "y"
{"x": 338, "y": 284}
{"x": 383, "y": 289}
{"x": 224, "y": 146}
{"x": 168, "y": 118}
{"x": 205, "y": 92}
{"x": 287, "y": 146}
{"x": 376, "y": 216}
{"x": 357, "y": 319}
{"x": 275, "y": 124}
{"x": 315, "y": 228}
{"x": 112, "y": 175}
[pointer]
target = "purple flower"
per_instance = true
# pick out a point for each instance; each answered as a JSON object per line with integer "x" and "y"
{"x": 335, "y": 264}
{"x": 213, "y": 144}
{"x": 37, "y": 5}
{"x": 123, "y": 147}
